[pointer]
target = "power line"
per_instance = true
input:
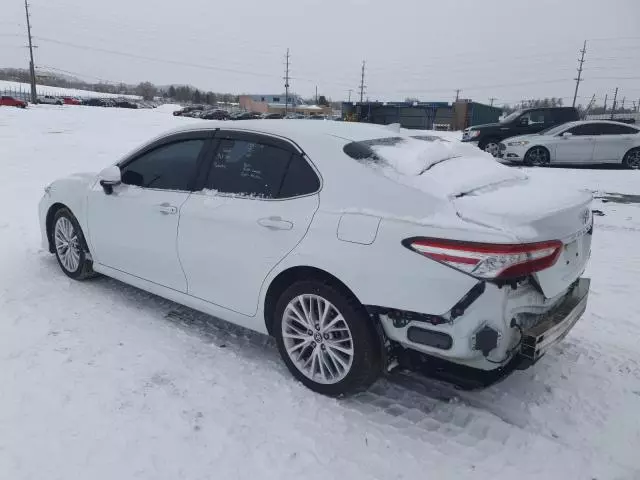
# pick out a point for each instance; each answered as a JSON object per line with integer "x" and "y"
{"x": 578, "y": 79}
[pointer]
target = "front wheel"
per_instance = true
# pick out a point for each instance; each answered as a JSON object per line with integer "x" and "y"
{"x": 632, "y": 159}
{"x": 70, "y": 247}
{"x": 491, "y": 145}
{"x": 326, "y": 339}
{"x": 537, "y": 157}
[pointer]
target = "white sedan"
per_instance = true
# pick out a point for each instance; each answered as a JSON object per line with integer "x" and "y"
{"x": 357, "y": 247}
{"x": 577, "y": 143}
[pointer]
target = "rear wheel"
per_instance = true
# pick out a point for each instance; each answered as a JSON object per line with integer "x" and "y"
{"x": 70, "y": 247}
{"x": 632, "y": 159}
{"x": 537, "y": 157}
{"x": 326, "y": 339}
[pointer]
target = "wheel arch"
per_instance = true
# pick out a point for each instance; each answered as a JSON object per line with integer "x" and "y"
{"x": 51, "y": 213}
{"x": 288, "y": 277}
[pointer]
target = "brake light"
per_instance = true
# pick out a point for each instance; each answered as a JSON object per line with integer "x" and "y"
{"x": 488, "y": 260}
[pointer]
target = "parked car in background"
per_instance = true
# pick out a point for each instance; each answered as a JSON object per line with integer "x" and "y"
{"x": 521, "y": 122}
{"x": 71, "y": 101}
{"x": 294, "y": 116}
{"x": 245, "y": 116}
{"x": 188, "y": 109}
{"x": 272, "y": 116}
{"x": 50, "y": 99}
{"x": 125, "y": 104}
{"x": 576, "y": 143}
{"x": 9, "y": 101}
{"x": 215, "y": 114}
{"x": 272, "y": 226}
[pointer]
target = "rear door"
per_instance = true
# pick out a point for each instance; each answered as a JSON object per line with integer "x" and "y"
{"x": 577, "y": 147}
{"x": 256, "y": 204}
{"x": 613, "y": 142}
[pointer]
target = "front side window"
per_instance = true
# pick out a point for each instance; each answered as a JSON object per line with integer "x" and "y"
{"x": 585, "y": 129}
{"x": 535, "y": 117}
{"x": 242, "y": 167}
{"x": 169, "y": 167}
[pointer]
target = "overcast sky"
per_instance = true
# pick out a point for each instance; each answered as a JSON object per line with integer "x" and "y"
{"x": 507, "y": 49}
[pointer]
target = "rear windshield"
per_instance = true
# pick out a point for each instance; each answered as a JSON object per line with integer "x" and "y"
{"x": 410, "y": 155}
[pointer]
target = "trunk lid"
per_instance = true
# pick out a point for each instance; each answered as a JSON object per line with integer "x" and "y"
{"x": 531, "y": 213}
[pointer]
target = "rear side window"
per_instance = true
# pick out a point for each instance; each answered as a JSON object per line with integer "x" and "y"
{"x": 586, "y": 129}
{"x": 169, "y": 167}
{"x": 242, "y": 167}
{"x": 300, "y": 179}
{"x": 611, "y": 129}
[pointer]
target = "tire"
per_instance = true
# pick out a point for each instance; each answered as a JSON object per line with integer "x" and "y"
{"x": 67, "y": 238}
{"x": 632, "y": 159}
{"x": 333, "y": 372}
{"x": 537, "y": 157}
{"x": 490, "y": 145}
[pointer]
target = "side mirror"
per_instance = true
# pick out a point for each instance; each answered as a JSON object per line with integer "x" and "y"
{"x": 566, "y": 134}
{"x": 109, "y": 178}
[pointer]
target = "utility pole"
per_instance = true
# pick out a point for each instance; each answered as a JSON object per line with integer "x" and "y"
{"x": 362, "y": 85}
{"x": 350, "y": 90}
{"x": 622, "y": 104}
{"x": 613, "y": 108}
{"x": 457, "y": 94}
{"x": 606, "y": 95}
{"x": 579, "y": 78}
{"x": 591, "y": 102}
{"x": 492, "y": 99}
{"x": 32, "y": 70}
{"x": 316, "y": 94}
{"x": 286, "y": 83}
{"x": 634, "y": 106}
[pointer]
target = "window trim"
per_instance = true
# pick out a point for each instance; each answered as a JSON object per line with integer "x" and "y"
{"x": 205, "y": 136}
{"x": 257, "y": 137}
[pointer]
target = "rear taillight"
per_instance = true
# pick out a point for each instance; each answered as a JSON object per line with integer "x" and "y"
{"x": 488, "y": 260}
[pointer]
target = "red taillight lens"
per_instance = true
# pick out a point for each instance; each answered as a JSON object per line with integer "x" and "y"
{"x": 487, "y": 260}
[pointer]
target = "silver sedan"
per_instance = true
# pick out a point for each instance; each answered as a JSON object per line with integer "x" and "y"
{"x": 578, "y": 143}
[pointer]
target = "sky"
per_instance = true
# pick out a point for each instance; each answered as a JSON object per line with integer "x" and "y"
{"x": 509, "y": 50}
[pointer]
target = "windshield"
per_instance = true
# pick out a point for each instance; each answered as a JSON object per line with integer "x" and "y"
{"x": 511, "y": 116}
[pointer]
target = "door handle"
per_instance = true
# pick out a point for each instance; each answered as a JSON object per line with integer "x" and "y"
{"x": 275, "y": 223}
{"x": 167, "y": 209}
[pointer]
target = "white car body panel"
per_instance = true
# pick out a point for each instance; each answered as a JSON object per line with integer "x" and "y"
{"x": 213, "y": 253}
{"x": 242, "y": 239}
{"x": 135, "y": 230}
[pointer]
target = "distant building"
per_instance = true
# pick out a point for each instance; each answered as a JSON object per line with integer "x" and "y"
{"x": 422, "y": 115}
{"x": 276, "y": 104}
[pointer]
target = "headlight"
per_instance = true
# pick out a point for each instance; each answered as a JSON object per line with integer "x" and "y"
{"x": 521, "y": 143}
{"x": 474, "y": 133}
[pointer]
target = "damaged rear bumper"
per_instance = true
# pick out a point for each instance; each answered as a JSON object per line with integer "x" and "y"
{"x": 554, "y": 325}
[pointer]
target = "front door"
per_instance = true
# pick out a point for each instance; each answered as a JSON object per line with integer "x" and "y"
{"x": 134, "y": 229}
{"x": 256, "y": 205}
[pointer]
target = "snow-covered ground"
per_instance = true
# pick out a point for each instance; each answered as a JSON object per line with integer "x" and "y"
{"x": 99, "y": 380}
{"x": 12, "y": 87}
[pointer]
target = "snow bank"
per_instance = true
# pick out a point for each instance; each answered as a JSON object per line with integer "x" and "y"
{"x": 12, "y": 87}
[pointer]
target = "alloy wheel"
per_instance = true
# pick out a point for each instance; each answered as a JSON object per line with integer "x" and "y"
{"x": 317, "y": 339}
{"x": 538, "y": 156}
{"x": 493, "y": 148}
{"x": 67, "y": 245}
{"x": 633, "y": 159}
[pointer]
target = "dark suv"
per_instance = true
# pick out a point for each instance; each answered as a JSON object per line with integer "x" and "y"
{"x": 521, "y": 122}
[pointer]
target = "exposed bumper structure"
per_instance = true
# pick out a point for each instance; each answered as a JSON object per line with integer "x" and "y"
{"x": 555, "y": 324}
